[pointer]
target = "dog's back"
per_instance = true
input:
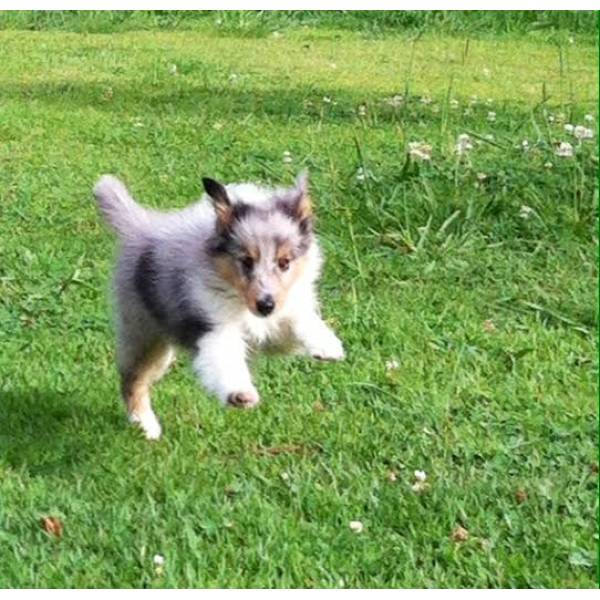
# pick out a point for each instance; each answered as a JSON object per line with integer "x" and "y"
{"x": 129, "y": 219}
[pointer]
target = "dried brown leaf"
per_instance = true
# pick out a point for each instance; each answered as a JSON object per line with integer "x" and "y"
{"x": 283, "y": 449}
{"x": 52, "y": 526}
{"x": 460, "y": 534}
{"x": 489, "y": 326}
{"x": 520, "y": 496}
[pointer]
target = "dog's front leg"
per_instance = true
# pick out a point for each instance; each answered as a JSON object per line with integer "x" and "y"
{"x": 316, "y": 337}
{"x": 221, "y": 365}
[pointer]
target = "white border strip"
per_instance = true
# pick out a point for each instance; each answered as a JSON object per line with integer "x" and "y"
{"x": 299, "y": 5}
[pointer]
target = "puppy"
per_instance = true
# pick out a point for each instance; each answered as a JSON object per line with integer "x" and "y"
{"x": 233, "y": 272}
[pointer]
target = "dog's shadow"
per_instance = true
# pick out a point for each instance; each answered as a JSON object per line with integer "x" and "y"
{"x": 45, "y": 432}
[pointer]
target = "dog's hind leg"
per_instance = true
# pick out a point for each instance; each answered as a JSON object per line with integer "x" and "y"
{"x": 140, "y": 368}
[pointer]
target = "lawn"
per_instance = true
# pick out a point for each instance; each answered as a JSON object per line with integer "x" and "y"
{"x": 463, "y": 283}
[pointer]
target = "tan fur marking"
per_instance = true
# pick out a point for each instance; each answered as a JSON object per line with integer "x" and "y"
{"x": 224, "y": 213}
{"x": 287, "y": 281}
{"x": 284, "y": 250}
{"x": 253, "y": 252}
{"x": 229, "y": 273}
{"x": 136, "y": 383}
{"x": 304, "y": 207}
{"x": 249, "y": 291}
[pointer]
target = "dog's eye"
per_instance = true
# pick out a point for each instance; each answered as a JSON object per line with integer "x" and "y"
{"x": 247, "y": 263}
{"x": 283, "y": 264}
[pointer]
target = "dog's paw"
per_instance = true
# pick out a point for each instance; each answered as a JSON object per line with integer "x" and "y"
{"x": 247, "y": 399}
{"x": 328, "y": 347}
{"x": 148, "y": 423}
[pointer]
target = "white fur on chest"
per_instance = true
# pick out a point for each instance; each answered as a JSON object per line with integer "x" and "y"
{"x": 260, "y": 332}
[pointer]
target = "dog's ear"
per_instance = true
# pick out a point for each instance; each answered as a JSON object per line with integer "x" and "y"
{"x": 220, "y": 200}
{"x": 299, "y": 202}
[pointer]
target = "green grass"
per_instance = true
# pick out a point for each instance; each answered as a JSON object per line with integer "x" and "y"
{"x": 546, "y": 24}
{"x": 419, "y": 256}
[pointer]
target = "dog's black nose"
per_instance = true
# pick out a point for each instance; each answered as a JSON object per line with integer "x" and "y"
{"x": 265, "y": 305}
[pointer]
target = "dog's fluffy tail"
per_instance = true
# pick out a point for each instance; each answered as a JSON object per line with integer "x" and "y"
{"x": 119, "y": 209}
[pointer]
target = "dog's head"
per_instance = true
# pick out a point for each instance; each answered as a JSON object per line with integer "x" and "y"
{"x": 260, "y": 250}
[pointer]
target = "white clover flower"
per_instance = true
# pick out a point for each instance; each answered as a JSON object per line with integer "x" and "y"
{"x": 285, "y": 476}
{"x": 392, "y": 365}
{"x": 173, "y": 69}
{"x": 569, "y": 128}
{"x": 548, "y": 165}
{"x": 158, "y": 560}
{"x": 526, "y": 211}
{"x": 360, "y": 174}
{"x": 287, "y": 157}
{"x": 525, "y": 145}
{"x": 583, "y": 133}
{"x": 481, "y": 177}
{"x": 326, "y": 100}
{"x": 420, "y": 476}
{"x": 419, "y": 151}
{"x": 491, "y": 116}
{"x": 564, "y": 149}
{"x": 550, "y": 118}
{"x": 588, "y": 119}
{"x": 463, "y": 144}
{"x": 395, "y": 101}
{"x": 419, "y": 485}
{"x": 356, "y": 526}
{"x": 362, "y": 110}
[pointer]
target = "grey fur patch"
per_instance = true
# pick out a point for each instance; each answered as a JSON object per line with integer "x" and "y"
{"x": 184, "y": 324}
{"x": 145, "y": 280}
